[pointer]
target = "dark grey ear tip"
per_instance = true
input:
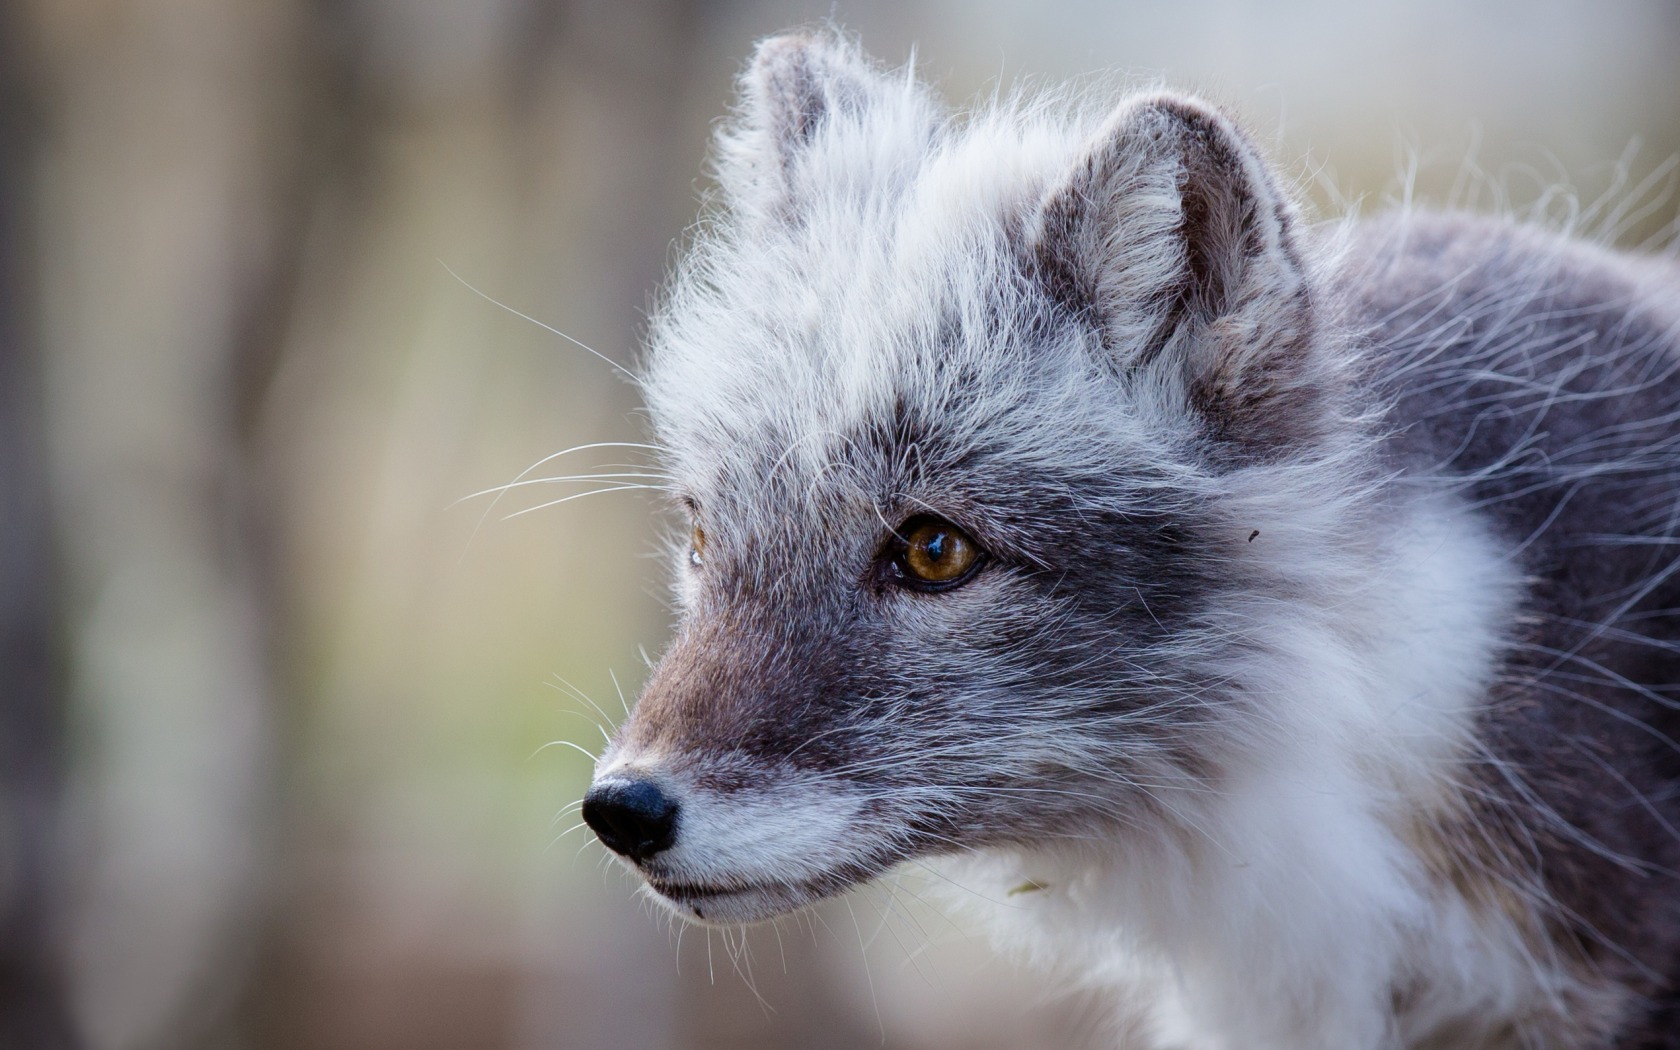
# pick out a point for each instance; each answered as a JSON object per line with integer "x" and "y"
{"x": 1209, "y": 138}
{"x": 797, "y": 81}
{"x": 781, "y": 68}
{"x": 780, "y": 51}
{"x": 1177, "y": 116}
{"x": 801, "y": 52}
{"x": 1184, "y": 108}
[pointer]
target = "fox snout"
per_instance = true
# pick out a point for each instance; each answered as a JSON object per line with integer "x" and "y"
{"x": 707, "y": 794}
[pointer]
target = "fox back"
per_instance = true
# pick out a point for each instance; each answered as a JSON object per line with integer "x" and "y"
{"x": 1289, "y": 611}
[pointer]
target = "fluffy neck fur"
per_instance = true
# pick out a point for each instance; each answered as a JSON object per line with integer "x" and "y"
{"x": 1279, "y": 907}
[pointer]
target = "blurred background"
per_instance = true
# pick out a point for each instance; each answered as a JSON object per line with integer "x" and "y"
{"x": 275, "y": 685}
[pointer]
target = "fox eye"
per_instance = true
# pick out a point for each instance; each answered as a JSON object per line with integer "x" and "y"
{"x": 696, "y": 546}
{"x": 931, "y": 554}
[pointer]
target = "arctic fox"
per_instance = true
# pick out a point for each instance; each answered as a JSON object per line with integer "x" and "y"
{"x": 1294, "y": 611}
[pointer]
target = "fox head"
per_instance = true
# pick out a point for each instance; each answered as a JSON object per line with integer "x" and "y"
{"x": 982, "y": 427}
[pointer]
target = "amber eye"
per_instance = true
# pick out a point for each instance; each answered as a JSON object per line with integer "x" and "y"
{"x": 935, "y": 554}
{"x": 696, "y": 546}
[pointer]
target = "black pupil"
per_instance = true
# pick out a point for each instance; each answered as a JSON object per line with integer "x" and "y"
{"x": 934, "y": 545}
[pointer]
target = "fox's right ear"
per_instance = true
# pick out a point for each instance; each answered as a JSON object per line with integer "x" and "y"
{"x": 797, "y": 88}
{"x": 1172, "y": 238}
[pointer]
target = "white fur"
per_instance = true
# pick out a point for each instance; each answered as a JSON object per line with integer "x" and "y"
{"x": 777, "y": 830}
{"x": 1300, "y": 906}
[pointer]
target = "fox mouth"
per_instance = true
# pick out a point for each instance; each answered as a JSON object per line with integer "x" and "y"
{"x": 701, "y": 891}
{"x": 732, "y": 903}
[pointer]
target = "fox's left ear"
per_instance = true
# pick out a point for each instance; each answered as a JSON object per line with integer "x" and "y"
{"x": 1171, "y": 236}
{"x": 797, "y": 88}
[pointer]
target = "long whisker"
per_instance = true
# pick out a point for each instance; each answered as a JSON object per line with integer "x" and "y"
{"x": 625, "y": 372}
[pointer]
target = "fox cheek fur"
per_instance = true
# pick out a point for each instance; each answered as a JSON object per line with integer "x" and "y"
{"x": 1311, "y": 648}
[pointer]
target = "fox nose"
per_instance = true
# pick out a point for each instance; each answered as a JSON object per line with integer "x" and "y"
{"x": 631, "y": 817}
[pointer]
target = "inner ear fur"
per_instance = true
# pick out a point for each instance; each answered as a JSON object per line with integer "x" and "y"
{"x": 1171, "y": 237}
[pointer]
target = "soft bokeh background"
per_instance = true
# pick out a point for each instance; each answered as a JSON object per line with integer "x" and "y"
{"x": 273, "y": 695}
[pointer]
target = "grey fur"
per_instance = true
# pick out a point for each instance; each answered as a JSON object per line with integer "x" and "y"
{"x": 1197, "y": 441}
{"x": 1540, "y": 379}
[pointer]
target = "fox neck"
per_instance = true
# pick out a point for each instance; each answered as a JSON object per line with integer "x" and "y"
{"x": 1310, "y": 873}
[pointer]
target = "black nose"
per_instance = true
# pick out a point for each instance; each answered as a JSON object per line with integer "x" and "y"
{"x": 632, "y": 817}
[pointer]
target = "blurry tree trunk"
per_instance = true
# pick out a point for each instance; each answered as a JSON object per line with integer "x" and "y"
{"x": 32, "y": 752}
{"x": 168, "y": 150}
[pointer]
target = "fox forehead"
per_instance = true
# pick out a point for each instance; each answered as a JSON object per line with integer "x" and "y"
{"x": 807, "y": 342}
{"x": 962, "y": 404}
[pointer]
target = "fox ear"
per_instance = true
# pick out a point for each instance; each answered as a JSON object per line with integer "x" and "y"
{"x": 796, "y": 86}
{"x": 1172, "y": 238}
